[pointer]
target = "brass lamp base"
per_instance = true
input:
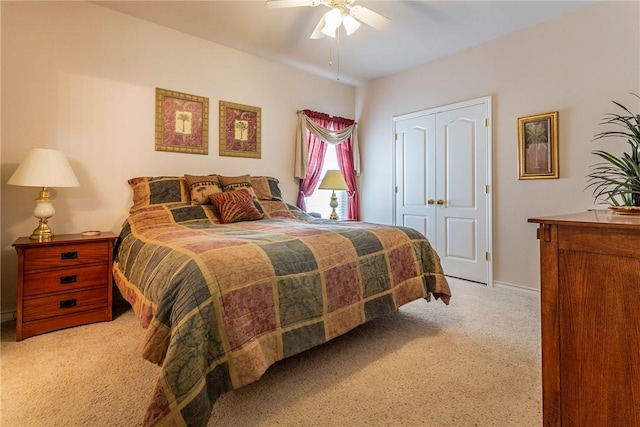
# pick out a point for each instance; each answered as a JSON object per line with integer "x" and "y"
{"x": 43, "y": 232}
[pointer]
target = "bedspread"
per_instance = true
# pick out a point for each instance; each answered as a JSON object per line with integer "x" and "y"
{"x": 223, "y": 302}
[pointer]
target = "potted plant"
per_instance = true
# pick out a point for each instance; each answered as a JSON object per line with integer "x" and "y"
{"x": 616, "y": 180}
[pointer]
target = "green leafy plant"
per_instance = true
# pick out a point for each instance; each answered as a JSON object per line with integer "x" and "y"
{"x": 616, "y": 180}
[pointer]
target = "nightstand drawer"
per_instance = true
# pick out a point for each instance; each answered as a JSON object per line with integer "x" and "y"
{"x": 47, "y": 257}
{"x": 65, "y": 280}
{"x": 62, "y": 304}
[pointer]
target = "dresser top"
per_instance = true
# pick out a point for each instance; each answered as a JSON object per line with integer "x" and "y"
{"x": 65, "y": 239}
{"x": 593, "y": 218}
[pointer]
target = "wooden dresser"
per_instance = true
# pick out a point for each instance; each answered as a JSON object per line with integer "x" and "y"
{"x": 63, "y": 282}
{"x": 590, "y": 302}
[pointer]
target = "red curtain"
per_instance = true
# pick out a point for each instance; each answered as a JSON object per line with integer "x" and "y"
{"x": 344, "y": 152}
{"x": 317, "y": 150}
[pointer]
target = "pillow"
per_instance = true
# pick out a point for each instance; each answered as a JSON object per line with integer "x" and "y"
{"x": 234, "y": 183}
{"x": 201, "y": 187}
{"x": 266, "y": 188}
{"x": 158, "y": 190}
{"x": 275, "y": 209}
{"x": 283, "y": 210}
{"x": 193, "y": 213}
{"x": 235, "y": 206}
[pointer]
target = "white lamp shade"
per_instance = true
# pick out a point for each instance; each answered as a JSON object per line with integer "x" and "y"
{"x": 329, "y": 30}
{"x": 332, "y": 21}
{"x": 333, "y": 17}
{"x": 333, "y": 180}
{"x": 44, "y": 168}
{"x": 350, "y": 24}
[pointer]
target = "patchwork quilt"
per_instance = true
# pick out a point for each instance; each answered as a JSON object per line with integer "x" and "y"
{"x": 223, "y": 302}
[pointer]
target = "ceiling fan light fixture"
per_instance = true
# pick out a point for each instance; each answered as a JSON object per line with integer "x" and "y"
{"x": 332, "y": 21}
{"x": 329, "y": 31}
{"x": 342, "y": 12}
{"x": 333, "y": 17}
{"x": 350, "y": 24}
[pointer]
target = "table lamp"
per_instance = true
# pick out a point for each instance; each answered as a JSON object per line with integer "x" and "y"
{"x": 44, "y": 168}
{"x": 333, "y": 180}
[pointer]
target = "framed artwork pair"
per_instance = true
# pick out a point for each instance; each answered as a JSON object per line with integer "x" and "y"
{"x": 182, "y": 125}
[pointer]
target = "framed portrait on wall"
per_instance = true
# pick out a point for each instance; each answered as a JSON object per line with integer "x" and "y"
{"x": 182, "y": 122}
{"x": 240, "y": 128}
{"x": 538, "y": 146}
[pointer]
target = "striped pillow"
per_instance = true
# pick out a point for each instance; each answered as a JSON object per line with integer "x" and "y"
{"x": 235, "y": 206}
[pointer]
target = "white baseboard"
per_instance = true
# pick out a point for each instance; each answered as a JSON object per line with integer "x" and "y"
{"x": 517, "y": 288}
{"x": 7, "y": 315}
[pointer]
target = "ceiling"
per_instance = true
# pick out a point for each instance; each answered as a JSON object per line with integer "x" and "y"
{"x": 420, "y": 31}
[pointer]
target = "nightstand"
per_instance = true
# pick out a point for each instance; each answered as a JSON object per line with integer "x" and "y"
{"x": 63, "y": 282}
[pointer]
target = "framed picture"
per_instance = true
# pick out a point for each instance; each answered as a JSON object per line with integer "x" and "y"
{"x": 182, "y": 122}
{"x": 240, "y": 128}
{"x": 538, "y": 146}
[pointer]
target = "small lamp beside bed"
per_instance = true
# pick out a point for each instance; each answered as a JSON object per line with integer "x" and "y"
{"x": 333, "y": 180}
{"x": 44, "y": 168}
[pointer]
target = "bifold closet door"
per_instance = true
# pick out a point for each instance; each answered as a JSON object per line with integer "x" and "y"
{"x": 415, "y": 174}
{"x": 441, "y": 169}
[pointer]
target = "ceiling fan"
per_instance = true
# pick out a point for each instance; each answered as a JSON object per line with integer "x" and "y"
{"x": 343, "y": 12}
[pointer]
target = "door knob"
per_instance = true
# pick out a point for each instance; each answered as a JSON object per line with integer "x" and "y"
{"x": 440, "y": 202}
{"x": 431, "y": 201}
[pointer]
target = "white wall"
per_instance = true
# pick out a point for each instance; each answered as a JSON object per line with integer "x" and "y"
{"x": 81, "y": 78}
{"x": 575, "y": 64}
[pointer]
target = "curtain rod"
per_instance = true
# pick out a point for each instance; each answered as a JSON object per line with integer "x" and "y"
{"x": 298, "y": 112}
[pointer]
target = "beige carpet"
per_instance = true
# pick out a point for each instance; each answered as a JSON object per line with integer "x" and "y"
{"x": 475, "y": 362}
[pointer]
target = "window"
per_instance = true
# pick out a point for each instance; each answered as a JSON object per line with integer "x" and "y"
{"x": 319, "y": 200}
{"x": 320, "y": 154}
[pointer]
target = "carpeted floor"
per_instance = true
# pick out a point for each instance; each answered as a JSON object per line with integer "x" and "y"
{"x": 475, "y": 362}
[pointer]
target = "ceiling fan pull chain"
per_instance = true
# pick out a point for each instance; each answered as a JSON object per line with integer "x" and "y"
{"x": 338, "y": 58}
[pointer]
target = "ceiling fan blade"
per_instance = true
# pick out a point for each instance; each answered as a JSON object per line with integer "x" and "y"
{"x": 369, "y": 17}
{"x": 276, "y": 4}
{"x": 317, "y": 32}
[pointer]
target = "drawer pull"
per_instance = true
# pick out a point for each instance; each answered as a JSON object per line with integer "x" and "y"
{"x": 65, "y": 280}
{"x": 69, "y": 255}
{"x": 68, "y": 303}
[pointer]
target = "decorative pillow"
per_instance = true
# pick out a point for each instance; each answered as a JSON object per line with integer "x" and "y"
{"x": 266, "y": 188}
{"x": 234, "y": 183}
{"x": 193, "y": 213}
{"x": 275, "y": 209}
{"x": 201, "y": 187}
{"x": 158, "y": 190}
{"x": 235, "y": 206}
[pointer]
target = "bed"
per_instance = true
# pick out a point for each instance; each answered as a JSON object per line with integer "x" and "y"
{"x": 225, "y": 292}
